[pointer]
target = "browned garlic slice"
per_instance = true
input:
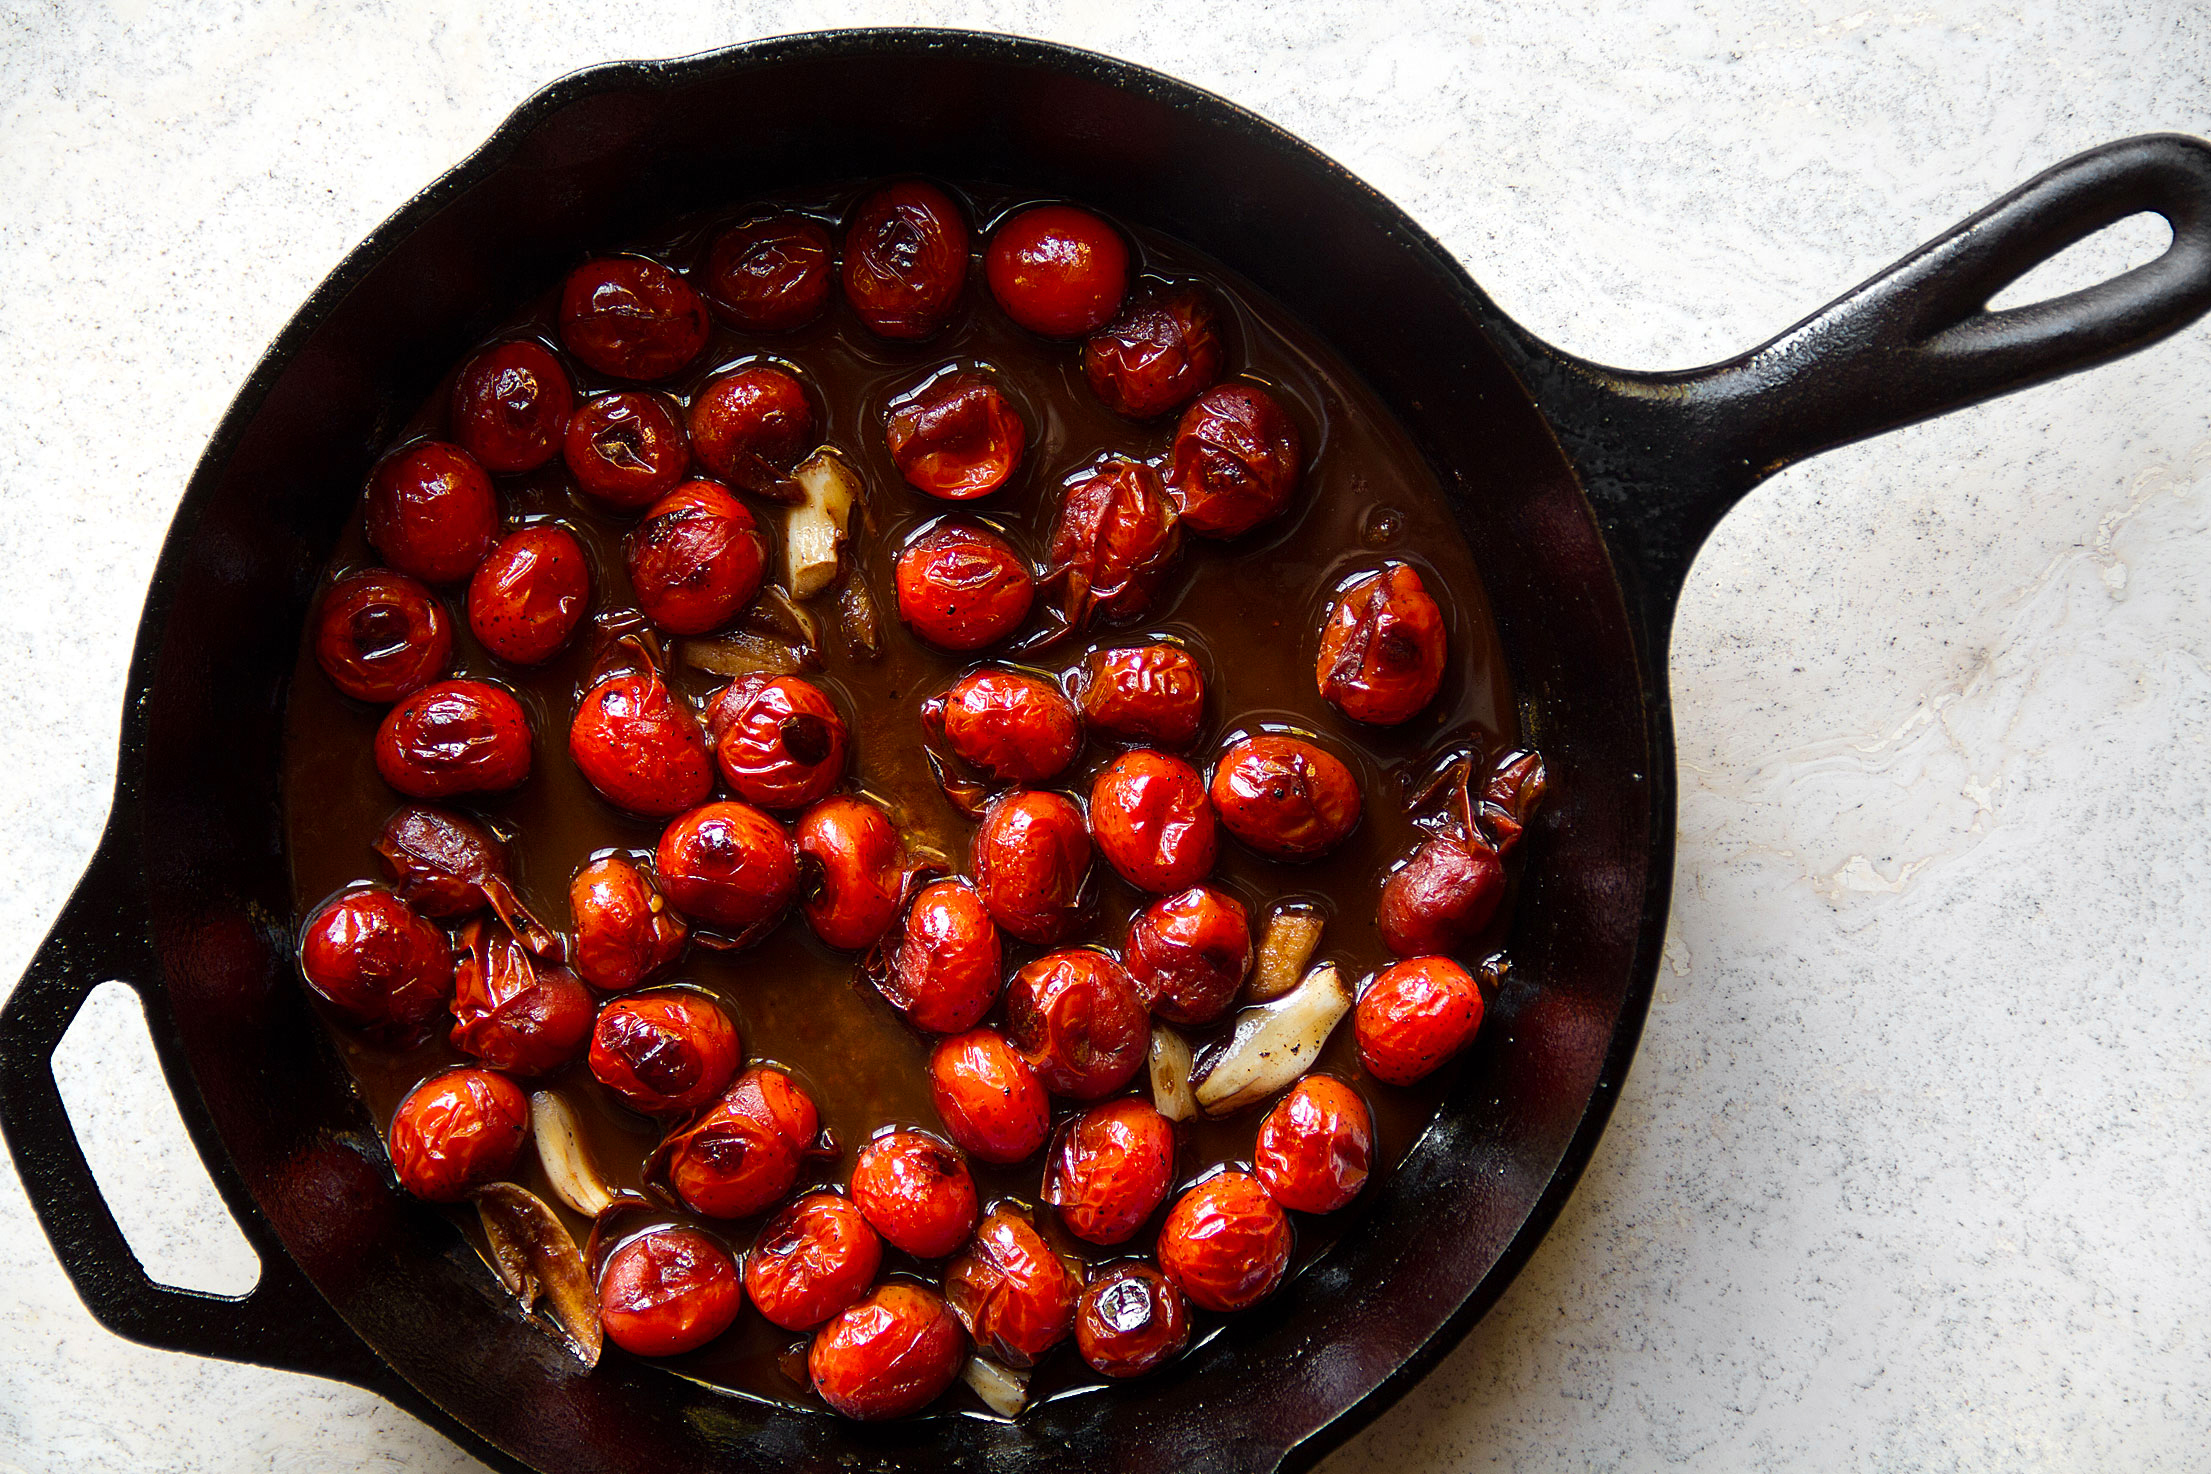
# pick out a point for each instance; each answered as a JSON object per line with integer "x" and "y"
{"x": 815, "y": 528}
{"x": 1293, "y": 931}
{"x": 532, "y": 1250}
{"x": 740, "y": 655}
{"x": 1004, "y": 1390}
{"x": 1171, "y": 1075}
{"x": 561, "y": 1150}
{"x": 1273, "y": 1043}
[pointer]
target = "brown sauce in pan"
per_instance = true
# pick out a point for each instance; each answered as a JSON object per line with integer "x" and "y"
{"x": 1250, "y": 608}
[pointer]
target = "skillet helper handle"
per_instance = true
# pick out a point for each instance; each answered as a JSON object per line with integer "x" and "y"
{"x": 103, "y": 934}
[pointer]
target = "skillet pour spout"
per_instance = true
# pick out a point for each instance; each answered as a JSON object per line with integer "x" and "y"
{"x": 1600, "y": 483}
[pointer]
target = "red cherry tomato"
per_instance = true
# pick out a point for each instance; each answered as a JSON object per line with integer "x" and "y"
{"x": 454, "y": 737}
{"x": 1226, "y": 1243}
{"x": 1031, "y": 853}
{"x": 457, "y": 1131}
{"x": 528, "y": 594}
{"x": 1157, "y": 355}
{"x": 1382, "y": 651}
{"x": 769, "y": 275}
{"x": 916, "y": 1191}
{"x": 665, "y": 1054}
{"x": 1189, "y": 954}
{"x": 1011, "y": 1291}
{"x": 777, "y": 739}
{"x": 728, "y": 865}
{"x": 892, "y": 1354}
{"x": 1235, "y": 461}
{"x": 625, "y": 931}
{"x": 381, "y": 635}
{"x": 1151, "y": 820}
{"x": 1130, "y": 1319}
{"x": 696, "y": 558}
{"x": 745, "y": 1151}
{"x": 905, "y": 259}
{"x": 988, "y": 1097}
{"x": 962, "y": 587}
{"x": 756, "y": 414}
{"x": 1075, "y": 1017}
{"x": 1315, "y": 1146}
{"x": 944, "y": 975}
{"x": 862, "y": 869}
{"x": 630, "y": 318}
{"x": 1057, "y": 270}
{"x": 1114, "y": 543}
{"x": 1286, "y": 798}
{"x": 1153, "y": 694}
{"x": 441, "y": 863}
{"x": 380, "y": 965}
{"x": 1110, "y": 1170}
{"x": 1015, "y": 727}
{"x": 1415, "y": 1015}
{"x": 1441, "y": 898}
{"x": 813, "y": 1259}
{"x": 511, "y": 405}
{"x": 668, "y": 1291}
{"x": 431, "y": 513}
{"x": 637, "y": 743}
{"x": 510, "y": 1010}
{"x": 627, "y": 449}
{"x": 956, "y": 438}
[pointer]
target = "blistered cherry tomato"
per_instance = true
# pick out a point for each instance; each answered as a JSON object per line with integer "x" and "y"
{"x": 769, "y": 275}
{"x": 630, "y": 318}
{"x": 454, "y": 737}
{"x": 1115, "y": 541}
{"x": 625, "y": 930}
{"x": 958, "y": 437}
{"x": 1011, "y": 1291}
{"x": 1235, "y": 461}
{"x": 1316, "y": 1146}
{"x": 962, "y": 587}
{"x": 1130, "y": 1319}
{"x": 1284, "y": 797}
{"x": 528, "y": 594}
{"x": 1382, "y": 650}
{"x": 916, "y": 1191}
{"x": 1015, "y": 727}
{"x": 892, "y": 1354}
{"x": 439, "y": 862}
{"x": 988, "y": 1097}
{"x": 1157, "y": 355}
{"x": 1075, "y": 1017}
{"x": 381, "y": 635}
{"x": 665, "y": 1054}
{"x": 1226, "y": 1243}
{"x": 1152, "y": 821}
{"x": 755, "y": 412}
{"x": 861, "y": 872}
{"x": 905, "y": 259}
{"x": 745, "y": 1151}
{"x": 777, "y": 739}
{"x": 511, "y": 405}
{"x": 668, "y": 1291}
{"x": 1154, "y": 694}
{"x": 696, "y": 558}
{"x": 727, "y": 864}
{"x": 512, "y": 1011}
{"x": 1110, "y": 1169}
{"x": 636, "y": 742}
{"x": 813, "y": 1259}
{"x": 1031, "y": 853}
{"x": 457, "y": 1131}
{"x": 1440, "y": 898}
{"x": 1189, "y": 954}
{"x": 627, "y": 449}
{"x": 1057, "y": 270}
{"x": 380, "y": 965}
{"x": 1415, "y": 1015}
{"x": 431, "y": 513}
{"x": 944, "y": 975}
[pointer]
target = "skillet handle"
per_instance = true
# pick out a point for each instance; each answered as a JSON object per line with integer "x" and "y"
{"x": 284, "y": 1322}
{"x": 1665, "y": 455}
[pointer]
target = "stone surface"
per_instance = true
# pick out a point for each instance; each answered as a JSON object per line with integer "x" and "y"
{"x": 1911, "y": 1171}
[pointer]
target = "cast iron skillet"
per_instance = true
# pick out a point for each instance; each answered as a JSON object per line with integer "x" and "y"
{"x": 1584, "y": 493}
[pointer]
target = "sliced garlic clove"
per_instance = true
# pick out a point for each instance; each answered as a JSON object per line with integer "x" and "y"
{"x": 741, "y": 655}
{"x": 1273, "y": 1043}
{"x": 1292, "y": 933}
{"x": 1002, "y": 1389}
{"x": 1171, "y": 1075}
{"x": 815, "y": 528}
{"x": 566, "y": 1157}
{"x": 531, "y": 1248}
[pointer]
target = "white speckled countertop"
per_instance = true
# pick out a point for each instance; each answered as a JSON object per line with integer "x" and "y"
{"x": 1912, "y": 1169}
